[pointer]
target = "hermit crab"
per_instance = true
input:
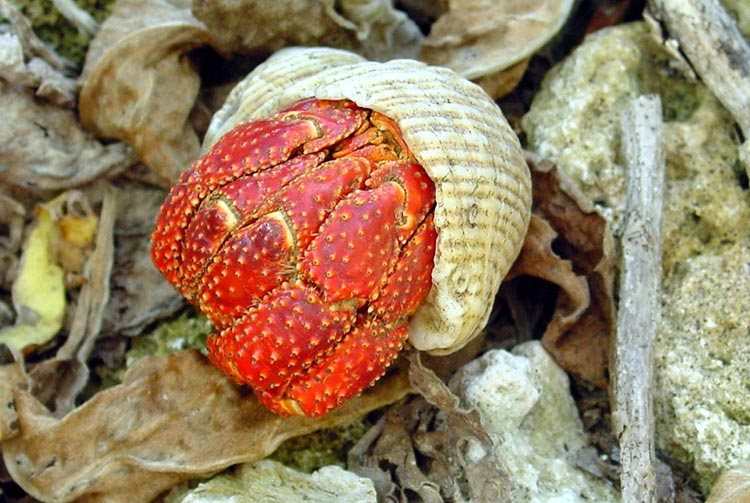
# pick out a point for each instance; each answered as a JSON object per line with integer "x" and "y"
{"x": 342, "y": 206}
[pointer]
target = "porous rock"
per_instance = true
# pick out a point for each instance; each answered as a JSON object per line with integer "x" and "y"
{"x": 271, "y": 482}
{"x": 524, "y": 401}
{"x": 702, "y": 395}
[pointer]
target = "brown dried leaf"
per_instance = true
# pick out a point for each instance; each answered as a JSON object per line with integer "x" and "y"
{"x": 44, "y": 147}
{"x": 478, "y": 39}
{"x": 436, "y": 449}
{"x": 501, "y": 83}
{"x": 173, "y": 418}
{"x": 12, "y": 377}
{"x": 538, "y": 259}
{"x": 568, "y": 244}
{"x": 139, "y": 86}
{"x": 733, "y": 486}
{"x": 372, "y": 28}
{"x": 35, "y": 73}
{"x": 12, "y": 214}
{"x": 139, "y": 293}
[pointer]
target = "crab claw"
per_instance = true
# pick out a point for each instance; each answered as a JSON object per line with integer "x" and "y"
{"x": 356, "y": 362}
{"x": 278, "y": 341}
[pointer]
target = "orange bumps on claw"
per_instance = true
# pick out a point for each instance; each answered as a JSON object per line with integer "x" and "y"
{"x": 307, "y": 238}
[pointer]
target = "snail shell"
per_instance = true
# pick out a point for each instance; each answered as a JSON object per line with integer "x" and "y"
{"x": 458, "y": 134}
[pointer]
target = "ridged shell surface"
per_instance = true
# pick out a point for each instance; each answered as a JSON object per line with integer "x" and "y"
{"x": 459, "y": 135}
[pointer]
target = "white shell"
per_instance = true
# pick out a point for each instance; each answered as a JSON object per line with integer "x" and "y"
{"x": 458, "y": 134}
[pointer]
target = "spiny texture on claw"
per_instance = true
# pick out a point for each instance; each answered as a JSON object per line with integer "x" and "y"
{"x": 308, "y": 240}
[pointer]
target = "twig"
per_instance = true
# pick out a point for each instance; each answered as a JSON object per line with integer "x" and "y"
{"x": 720, "y": 55}
{"x": 639, "y": 298}
{"x": 77, "y": 17}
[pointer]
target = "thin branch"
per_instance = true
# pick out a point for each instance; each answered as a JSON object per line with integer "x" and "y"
{"x": 639, "y": 298}
{"x": 78, "y": 17}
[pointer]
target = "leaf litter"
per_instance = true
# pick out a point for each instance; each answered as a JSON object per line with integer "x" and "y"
{"x": 173, "y": 417}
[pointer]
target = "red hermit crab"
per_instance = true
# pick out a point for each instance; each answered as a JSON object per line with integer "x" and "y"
{"x": 321, "y": 228}
{"x": 307, "y": 239}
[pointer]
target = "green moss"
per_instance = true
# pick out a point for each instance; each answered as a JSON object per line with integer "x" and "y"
{"x": 57, "y": 31}
{"x": 185, "y": 332}
{"x": 321, "y": 448}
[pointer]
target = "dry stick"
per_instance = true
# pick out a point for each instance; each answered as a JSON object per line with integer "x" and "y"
{"x": 639, "y": 298}
{"x": 719, "y": 53}
{"x": 78, "y": 17}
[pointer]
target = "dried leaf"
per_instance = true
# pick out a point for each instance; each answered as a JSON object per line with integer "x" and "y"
{"x": 538, "y": 259}
{"x": 38, "y": 290}
{"x": 11, "y": 218}
{"x": 139, "y": 86}
{"x": 568, "y": 244}
{"x": 12, "y": 377}
{"x": 139, "y": 293}
{"x": 173, "y": 418}
{"x": 45, "y": 148}
{"x": 733, "y": 486}
{"x": 36, "y": 73}
{"x": 436, "y": 449}
{"x": 501, "y": 83}
{"x": 372, "y": 28}
{"x": 62, "y": 378}
{"x": 76, "y": 224}
{"x": 478, "y": 39}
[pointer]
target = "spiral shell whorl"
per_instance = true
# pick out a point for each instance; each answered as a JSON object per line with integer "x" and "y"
{"x": 459, "y": 135}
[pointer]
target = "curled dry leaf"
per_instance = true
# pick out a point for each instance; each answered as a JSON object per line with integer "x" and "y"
{"x": 482, "y": 39}
{"x": 45, "y": 148}
{"x": 11, "y": 218}
{"x": 173, "y": 418}
{"x": 733, "y": 486}
{"x": 35, "y": 73}
{"x": 139, "y": 86}
{"x": 55, "y": 252}
{"x": 12, "y": 377}
{"x": 568, "y": 244}
{"x": 431, "y": 444}
{"x": 138, "y": 293}
{"x": 372, "y": 28}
